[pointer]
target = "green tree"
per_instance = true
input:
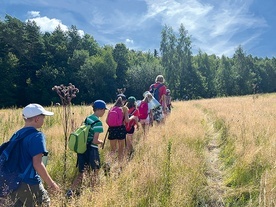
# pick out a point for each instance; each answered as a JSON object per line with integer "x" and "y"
{"x": 89, "y": 44}
{"x": 242, "y": 73}
{"x": 140, "y": 77}
{"x": 98, "y": 77}
{"x": 120, "y": 55}
{"x": 206, "y": 67}
{"x": 169, "y": 59}
{"x": 224, "y": 81}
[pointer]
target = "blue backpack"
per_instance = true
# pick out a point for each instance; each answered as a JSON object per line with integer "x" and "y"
{"x": 10, "y": 174}
{"x": 155, "y": 91}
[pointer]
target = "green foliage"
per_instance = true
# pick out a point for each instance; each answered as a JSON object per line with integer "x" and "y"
{"x": 30, "y": 59}
{"x": 246, "y": 174}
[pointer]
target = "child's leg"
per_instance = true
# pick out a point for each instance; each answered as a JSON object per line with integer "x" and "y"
{"x": 129, "y": 143}
{"x": 113, "y": 146}
{"x": 146, "y": 130}
{"x": 121, "y": 144}
{"x": 95, "y": 178}
{"x": 77, "y": 181}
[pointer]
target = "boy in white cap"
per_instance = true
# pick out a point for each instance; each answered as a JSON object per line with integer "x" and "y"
{"x": 31, "y": 191}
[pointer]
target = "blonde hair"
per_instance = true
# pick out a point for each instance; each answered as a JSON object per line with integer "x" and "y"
{"x": 148, "y": 97}
{"x": 160, "y": 79}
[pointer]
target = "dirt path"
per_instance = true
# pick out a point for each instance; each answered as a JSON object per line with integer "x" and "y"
{"x": 215, "y": 173}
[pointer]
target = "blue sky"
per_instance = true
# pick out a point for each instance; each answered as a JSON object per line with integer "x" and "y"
{"x": 216, "y": 26}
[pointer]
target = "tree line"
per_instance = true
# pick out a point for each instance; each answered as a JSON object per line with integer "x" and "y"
{"x": 32, "y": 62}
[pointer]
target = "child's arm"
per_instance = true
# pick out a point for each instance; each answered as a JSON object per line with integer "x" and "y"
{"x": 136, "y": 122}
{"x": 151, "y": 117}
{"x": 96, "y": 139}
{"x": 41, "y": 170}
{"x": 127, "y": 118}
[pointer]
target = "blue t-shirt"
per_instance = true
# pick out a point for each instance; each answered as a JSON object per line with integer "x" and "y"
{"x": 31, "y": 146}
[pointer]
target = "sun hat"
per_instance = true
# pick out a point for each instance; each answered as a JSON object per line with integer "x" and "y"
{"x": 131, "y": 99}
{"x": 33, "y": 109}
{"x": 99, "y": 104}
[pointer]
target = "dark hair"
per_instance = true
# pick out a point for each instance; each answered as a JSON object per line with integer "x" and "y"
{"x": 122, "y": 96}
{"x": 119, "y": 102}
{"x": 95, "y": 109}
{"x": 131, "y": 104}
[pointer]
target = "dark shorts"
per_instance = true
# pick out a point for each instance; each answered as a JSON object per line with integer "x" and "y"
{"x": 30, "y": 195}
{"x": 117, "y": 133}
{"x": 90, "y": 158}
{"x": 131, "y": 131}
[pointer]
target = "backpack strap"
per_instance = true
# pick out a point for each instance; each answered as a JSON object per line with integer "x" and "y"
{"x": 159, "y": 86}
{"x": 88, "y": 121}
{"x": 132, "y": 112}
{"x": 23, "y": 175}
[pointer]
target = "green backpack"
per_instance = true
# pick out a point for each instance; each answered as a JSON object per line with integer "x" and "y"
{"x": 78, "y": 138}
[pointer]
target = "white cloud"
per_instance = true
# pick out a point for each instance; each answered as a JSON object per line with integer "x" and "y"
{"x": 214, "y": 27}
{"x": 34, "y": 13}
{"x": 49, "y": 25}
{"x": 129, "y": 41}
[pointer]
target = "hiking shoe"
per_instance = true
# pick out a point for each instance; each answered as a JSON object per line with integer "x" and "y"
{"x": 69, "y": 194}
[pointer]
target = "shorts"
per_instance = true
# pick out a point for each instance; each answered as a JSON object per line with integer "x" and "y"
{"x": 117, "y": 133}
{"x": 91, "y": 158}
{"x": 30, "y": 195}
{"x": 131, "y": 131}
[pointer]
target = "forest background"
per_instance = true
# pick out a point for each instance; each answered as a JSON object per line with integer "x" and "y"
{"x": 32, "y": 62}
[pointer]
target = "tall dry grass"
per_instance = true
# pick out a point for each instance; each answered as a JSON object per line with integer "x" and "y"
{"x": 169, "y": 167}
{"x": 250, "y": 148}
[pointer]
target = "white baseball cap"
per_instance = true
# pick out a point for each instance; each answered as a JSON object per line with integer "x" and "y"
{"x": 32, "y": 110}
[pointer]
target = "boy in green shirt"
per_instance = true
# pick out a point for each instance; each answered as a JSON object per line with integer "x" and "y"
{"x": 91, "y": 157}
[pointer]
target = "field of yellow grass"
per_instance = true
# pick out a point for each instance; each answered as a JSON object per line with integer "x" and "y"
{"x": 212, "y": 152}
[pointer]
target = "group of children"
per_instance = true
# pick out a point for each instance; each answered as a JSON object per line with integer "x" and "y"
{"x": 123, "y": 118}
{"x": 130, "y": 115}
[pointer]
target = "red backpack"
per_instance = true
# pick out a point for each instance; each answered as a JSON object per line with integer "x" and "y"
{"x": 131, "y": 122}
{"x": 143, "y": 110}
{"x": 115, "y": 116}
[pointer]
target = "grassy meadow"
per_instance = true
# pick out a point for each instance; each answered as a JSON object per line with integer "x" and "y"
{"x": 211, "y": 152}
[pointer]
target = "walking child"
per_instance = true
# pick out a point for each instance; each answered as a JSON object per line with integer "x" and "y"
{"x": 31, "y": 149}
{"x": 130, "y": 126}
{"x": 117, "y": 116}
{"x": 90, "y": 158}
{"x": 169, "y": 101}
{"x": 145, "y": 113}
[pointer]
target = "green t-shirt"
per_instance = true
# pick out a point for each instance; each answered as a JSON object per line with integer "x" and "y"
{"x": 97, "y": 127}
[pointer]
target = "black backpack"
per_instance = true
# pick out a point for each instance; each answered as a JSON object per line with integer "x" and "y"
{"x": 155, "y": 91}
{"x": 10, "y": 174}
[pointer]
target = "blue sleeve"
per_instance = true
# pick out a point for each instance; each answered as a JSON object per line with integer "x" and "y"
{"x": 37, "y": 144}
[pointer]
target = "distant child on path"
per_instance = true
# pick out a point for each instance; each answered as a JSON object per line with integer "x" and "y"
{"x": 145, "y": 113}
{"x": 130, "y": 126}
{"x": 31, "y": 191}
{"x": 91, "y": 158}
{"x": 169, "y": 100}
